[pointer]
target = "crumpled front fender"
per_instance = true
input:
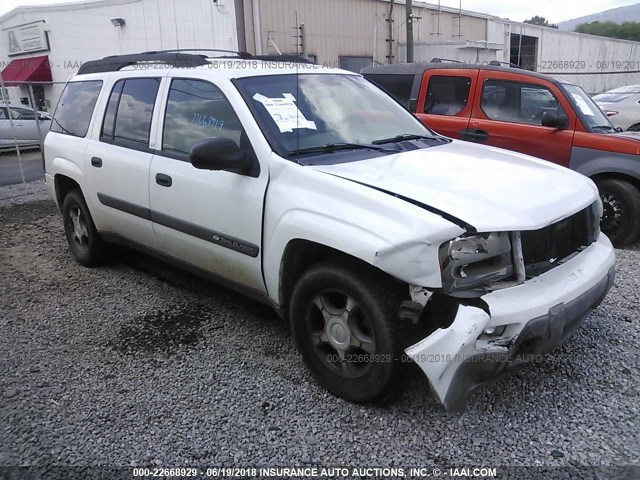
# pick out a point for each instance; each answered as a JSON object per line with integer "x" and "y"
{"x": 442, "y": 353}
{"x": 513, "y": 326}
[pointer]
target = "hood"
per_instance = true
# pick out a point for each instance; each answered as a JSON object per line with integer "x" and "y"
{"x": 628, "y": 135}
{"x": 488, "y": 188}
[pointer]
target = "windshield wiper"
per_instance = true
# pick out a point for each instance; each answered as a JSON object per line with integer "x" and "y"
{"x": 407, "y": 136}
{"x": 64, "y": 130}
{"x": 332, "y": 147}
{"x": 603, "y": 127}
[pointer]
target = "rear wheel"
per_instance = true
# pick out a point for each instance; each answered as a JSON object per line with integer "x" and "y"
{"x": 634, "y": 128}
{"x": 87, "y": 248}
{"x": 344, "y": 320}
{"x": 621, "y": 214}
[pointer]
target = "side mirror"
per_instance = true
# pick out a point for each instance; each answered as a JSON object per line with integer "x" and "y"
{"x": 413, "y": 105}
{"x": 222, "y": 154}
{"x": 553, "y": 120}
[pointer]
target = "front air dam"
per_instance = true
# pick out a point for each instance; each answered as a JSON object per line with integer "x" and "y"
{"x": 461, "y": 358}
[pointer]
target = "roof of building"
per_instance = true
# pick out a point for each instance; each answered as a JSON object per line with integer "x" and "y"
{"x": 72, "y": 5}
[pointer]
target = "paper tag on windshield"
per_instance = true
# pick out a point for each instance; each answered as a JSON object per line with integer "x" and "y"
{"x": 285, "y": 112}
{"x": 582, "y": 105}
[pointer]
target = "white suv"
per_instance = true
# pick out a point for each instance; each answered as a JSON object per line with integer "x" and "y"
{"x": 309, "y": 188}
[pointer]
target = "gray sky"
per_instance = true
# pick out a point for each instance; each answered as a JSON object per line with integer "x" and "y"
{"x": 554, "y": 10}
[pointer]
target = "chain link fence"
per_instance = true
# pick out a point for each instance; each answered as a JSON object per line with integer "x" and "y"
{"x": 22, "y": 132}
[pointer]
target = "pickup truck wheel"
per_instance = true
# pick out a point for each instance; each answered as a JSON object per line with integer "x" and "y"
{"x": 345, "y": 324}
{"x": 621, "y": 214}
{"x": 84, "y": 242}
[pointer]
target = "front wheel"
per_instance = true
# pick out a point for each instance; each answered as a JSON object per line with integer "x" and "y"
{"x": 344, "y": 320}
{"x": 87, "y": 248}
{"x": 621, "y": 211}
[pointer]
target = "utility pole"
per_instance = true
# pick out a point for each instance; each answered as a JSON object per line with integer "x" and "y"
{"x": 390, "y": 37}
{"x": 409, "y": 4}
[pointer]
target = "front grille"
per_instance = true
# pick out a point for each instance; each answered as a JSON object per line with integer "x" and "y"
{"x": 544, "y": 249}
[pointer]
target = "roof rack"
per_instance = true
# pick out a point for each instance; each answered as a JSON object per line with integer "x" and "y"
{"x": 283, "y": 58}
{"x": 176, "y": 58}
{"x": 441, "y": 60}
{"x": 239, "y": 53}
{"x": 497, "y": 63}
{"x": 244, "y": 55}
{"x": 116, "y": 62}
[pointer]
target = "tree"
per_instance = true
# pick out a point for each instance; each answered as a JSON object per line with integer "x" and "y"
{"x": 543, "y": 22}
{"x": 625, "y": 31}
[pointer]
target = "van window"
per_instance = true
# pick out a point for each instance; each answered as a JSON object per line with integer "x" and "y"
{"x": 75, "y": 108}
{"x": 518, "y": 102}
{"x": 129, "y": 112}
{"x": 198, "y": 110}
{"x": 398, "y": 86}
{"x": 447, "y": 95}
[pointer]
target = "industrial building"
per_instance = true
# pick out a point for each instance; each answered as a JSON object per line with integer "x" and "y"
{"x": 357, "y": 33}
{"x": 45, "y": 45}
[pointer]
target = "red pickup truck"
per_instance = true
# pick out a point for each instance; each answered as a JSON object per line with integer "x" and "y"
{"x": 530, "y": 113}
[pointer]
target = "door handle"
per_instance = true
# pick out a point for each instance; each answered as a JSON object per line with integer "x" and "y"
{"x": 474, "y": 135}
{"x": 96, "y": 162}
{"x": 163, "y": 180}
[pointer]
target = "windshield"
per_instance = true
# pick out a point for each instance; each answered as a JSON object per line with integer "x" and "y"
{"x": 593, "y": 118}
{"x": 610, "y": 97}
{"x": 300, "y": 113}
{"x": 627, "y": 89}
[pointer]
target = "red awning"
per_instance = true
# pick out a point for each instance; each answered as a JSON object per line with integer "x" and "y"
{"x": 22, "y": 70}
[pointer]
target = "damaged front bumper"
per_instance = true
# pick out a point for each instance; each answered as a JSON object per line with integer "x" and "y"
{"x": 533, "y": 318}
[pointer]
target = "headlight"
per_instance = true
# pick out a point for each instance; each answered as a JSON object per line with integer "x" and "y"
{"x": 475, "y": 260}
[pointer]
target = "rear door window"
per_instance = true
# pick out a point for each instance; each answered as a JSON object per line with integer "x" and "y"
{"x": 127, "y": 120}
{"x": 75, "y": 108}
{"x": 447, "y": 95}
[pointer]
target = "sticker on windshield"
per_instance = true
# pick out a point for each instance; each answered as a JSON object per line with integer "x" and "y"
{"x": 285, "y": 112}
{"x": 582, "y": 105}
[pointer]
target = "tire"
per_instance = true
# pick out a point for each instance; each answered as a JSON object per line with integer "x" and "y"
{"x": 86, "y": 246}
{"x": 621, "y": 217}
{"x": 336, "y": 306}
{"x": 634, "y": 128}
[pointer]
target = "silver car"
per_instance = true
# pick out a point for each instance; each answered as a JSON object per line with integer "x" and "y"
{"x": 25, "y": 129}
{"x": 622, "y": 106}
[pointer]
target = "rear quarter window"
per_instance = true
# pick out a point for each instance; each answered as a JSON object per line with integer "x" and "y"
{"x": 447, "y": 95}
{"x": 398, "y": 86}
{"x": 75, "y": 109}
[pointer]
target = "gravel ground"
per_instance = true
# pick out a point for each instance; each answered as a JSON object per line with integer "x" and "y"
{"x": 136, "y": 363}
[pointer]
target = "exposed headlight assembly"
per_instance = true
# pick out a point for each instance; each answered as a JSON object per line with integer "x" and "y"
{"x": 475, "y": 260}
